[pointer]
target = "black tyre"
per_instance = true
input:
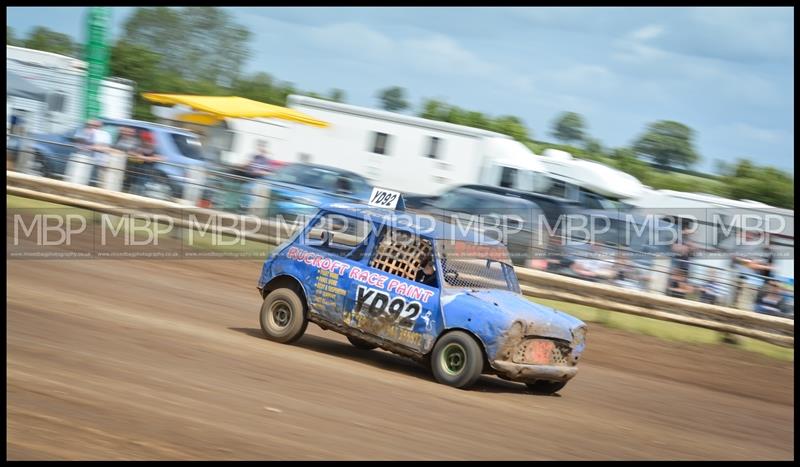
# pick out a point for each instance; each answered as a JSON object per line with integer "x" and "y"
{"x": 457, "y": 360}
{"x": 361, "y": 343}
{"x": 283, "y": 316}
{"x": 546, "y": 387}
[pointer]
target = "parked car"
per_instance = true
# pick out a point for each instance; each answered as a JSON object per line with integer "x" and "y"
{"x": 179, "y": 147}
{"x": 515, "y": 221}
{"x": 537, "y": 245}
{"x": 362, "y": 272}
{"x": 299, "y": 189}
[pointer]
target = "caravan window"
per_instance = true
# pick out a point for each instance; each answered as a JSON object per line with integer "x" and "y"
{"x": 557, "y": 189}
{"x": 433, "y": 148}
{"x": 381, "y": 143}
{"x": 508, "y": 177}
{"x": 55, "y": 101}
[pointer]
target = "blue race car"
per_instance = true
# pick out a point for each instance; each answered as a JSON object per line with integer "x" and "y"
{"x": 419, "y": 288}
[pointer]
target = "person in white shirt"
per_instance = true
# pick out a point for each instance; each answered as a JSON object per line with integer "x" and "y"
{"x": 97, "y": 141}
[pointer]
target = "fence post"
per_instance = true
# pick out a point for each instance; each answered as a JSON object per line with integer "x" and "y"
{"x": 659, "y": 276}
{"x": 193, "y": 187}
{"x": 79, "y": 168}
{"x": 114, "y": 171}
{"x": 259, "y": 197}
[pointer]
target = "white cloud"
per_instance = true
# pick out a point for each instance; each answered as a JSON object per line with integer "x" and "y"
{"x": 444, "y": 55}
{"x": 651, "y": 31}
{"x": 755, "y": 133}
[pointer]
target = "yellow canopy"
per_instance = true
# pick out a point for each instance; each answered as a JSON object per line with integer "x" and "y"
{"x": 218, "y": 107}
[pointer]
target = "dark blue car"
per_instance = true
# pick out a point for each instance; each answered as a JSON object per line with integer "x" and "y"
{"x": 180, "y": 148}
{"x": 425, "y": 290}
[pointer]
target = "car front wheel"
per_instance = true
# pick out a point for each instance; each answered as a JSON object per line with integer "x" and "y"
{"x": 283, "y": 317}
{"x": 457, "y": 360}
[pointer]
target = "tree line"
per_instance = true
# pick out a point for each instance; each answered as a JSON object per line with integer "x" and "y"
{"x": 203, "y": 51}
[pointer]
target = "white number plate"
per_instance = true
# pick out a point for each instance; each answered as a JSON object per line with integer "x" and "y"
{"x": 384, "y": 198}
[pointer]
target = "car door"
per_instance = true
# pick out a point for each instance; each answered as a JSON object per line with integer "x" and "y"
{"x": 331, "y": 248}
{"x": 385, "y": 300}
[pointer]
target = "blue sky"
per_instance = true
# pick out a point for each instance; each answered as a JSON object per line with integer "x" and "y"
{"x": 726, "y": 72}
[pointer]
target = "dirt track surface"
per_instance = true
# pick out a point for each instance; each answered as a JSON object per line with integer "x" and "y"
{"x": 131, "y": 359}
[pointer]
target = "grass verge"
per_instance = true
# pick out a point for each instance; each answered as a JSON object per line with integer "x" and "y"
{"x": 665, "y": 330}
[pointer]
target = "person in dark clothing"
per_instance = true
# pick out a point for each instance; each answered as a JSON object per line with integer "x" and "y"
{"x": 678, "y": 284}
{"x": 682, "y": 248}
{"x": 427, "y": 274}
{"x": 771, "y": 300}
{"x": 129, "y": 144}
{"x": 149, "y": 159}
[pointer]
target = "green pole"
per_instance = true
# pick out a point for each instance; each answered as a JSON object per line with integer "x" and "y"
{"x": 96, "y": 58}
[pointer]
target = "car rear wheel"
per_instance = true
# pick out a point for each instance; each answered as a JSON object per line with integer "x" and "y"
{"x": 546, "y": 387}
{"x": 361, "y": 343}
{"x": 457, "y": 360}
{"x": 283, "y": 316}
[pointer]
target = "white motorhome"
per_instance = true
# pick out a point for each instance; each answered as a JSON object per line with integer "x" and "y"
{"x": 409, "y": 154}
{"x": 718, "y": 221}
{"x": 590, "y": 183}
{"x": 64, "y": 80}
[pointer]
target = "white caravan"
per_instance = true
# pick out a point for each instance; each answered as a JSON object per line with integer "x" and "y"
{"x": 590, "y": 183}
{"x": 409, "y": 154}
{"x": 64, "y": 80}
{"x": 718, "y": 222}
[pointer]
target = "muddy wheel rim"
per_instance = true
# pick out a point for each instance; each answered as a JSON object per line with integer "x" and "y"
{"x": 453, "y": 359}
{"x": 280, "y": 314}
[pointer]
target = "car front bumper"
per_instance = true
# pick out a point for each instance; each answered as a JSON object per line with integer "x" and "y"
{"x": 530, "y": 373}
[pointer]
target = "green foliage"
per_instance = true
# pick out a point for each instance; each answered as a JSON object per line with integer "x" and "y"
{"x": 263, "y": 88}
{"x": 569, "y": 127}
{"x": 769, "y": 185}
{"x": 140, "y": 65}
{"x": 42, "y": 38}
{"x": 337, "y": 95}
{"x": 668, "y": 144}
{"x": 198, "y": 43}
{"x": 11, "y": 39}
{"x": 509, "y": 125}
{"x": 393, "y": 99}
{"x": 334, "y": 95}
{"x": 625, "y": 160}
{"x": 594, "y": 146}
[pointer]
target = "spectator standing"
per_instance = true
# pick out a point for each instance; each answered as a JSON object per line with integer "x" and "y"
{"x": 259, "y": 166}
{"x": 771, "y": 299}
{"x": 261, "y": 163}
{"x": 129, "y": 144}
{"x": 679, "y": 286}
{"x": 750, "y": 267}
{"x": 97, "y": 142}
{"x": 712, "y": 291}
{"x": 683, "y": 248}
{"x": 149, "y": 158}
